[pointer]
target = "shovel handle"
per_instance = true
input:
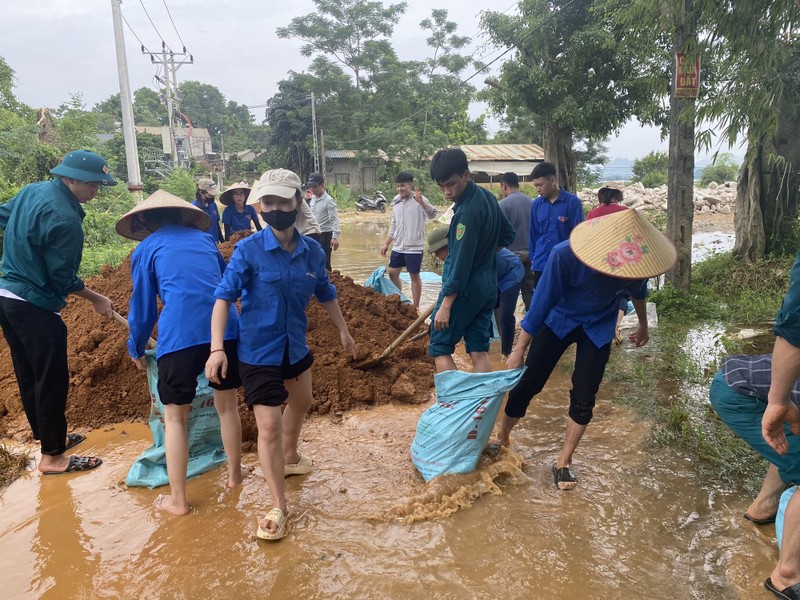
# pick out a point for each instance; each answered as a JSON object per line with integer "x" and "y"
{"x": 151, "y": 343}
{"x": 402, "y": 337}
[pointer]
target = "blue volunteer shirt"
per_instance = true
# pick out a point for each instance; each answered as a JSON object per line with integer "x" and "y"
{"x": 182, "y": 267}
{"x": 510, "y": 271}
{"x": 212, "y": 211}
{"x": 570, "y": 294}
{"x": 239, "y": 221}
{"x": 551, "y": 224}
{"x": 275, "y": 288}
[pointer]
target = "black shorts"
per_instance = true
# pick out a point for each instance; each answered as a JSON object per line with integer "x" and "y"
{"x": 263, "y": 384}
{"x": 178, "y": 371}
{"x": 412, "y": 262}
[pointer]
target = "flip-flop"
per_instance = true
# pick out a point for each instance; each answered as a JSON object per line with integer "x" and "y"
{"x": 564, "y": 475}
{"x": 74, "y": 440}
{"x": 766, "y": 521}
{"x": 790, "y": 593}
{"x": 301, "y": 467}
{"x": 77, "y": 464}
{"x": 276, "y": 516}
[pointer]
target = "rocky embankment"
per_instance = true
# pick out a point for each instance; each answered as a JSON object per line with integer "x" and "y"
{"x": 717, "y": 198}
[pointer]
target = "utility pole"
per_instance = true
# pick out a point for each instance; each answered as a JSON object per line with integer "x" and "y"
{"x": 322, "y": 154}
{"x": 131, "y": 149}
{"x": 314, "y": 131}
{"x": 167, "y": 59}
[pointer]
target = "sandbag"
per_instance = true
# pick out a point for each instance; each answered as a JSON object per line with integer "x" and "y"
{"x": 452, "y": 434}
{"x": 383, "y": 285}
{"x": 785, "y": 497}
{"x": 205, "y": 440}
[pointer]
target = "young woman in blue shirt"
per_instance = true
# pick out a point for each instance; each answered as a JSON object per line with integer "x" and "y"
{"x": 275, "y": 272}
{"x": 178, "y": 262}
{"x": 237, "y": 215}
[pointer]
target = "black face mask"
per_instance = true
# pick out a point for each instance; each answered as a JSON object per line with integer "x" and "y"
{"x": 279, "y": 219}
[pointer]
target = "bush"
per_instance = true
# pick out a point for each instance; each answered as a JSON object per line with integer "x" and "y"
{"x": 651, "y": 169}
{"x": 723, "y": 169}
{"x": 180, "y": 183}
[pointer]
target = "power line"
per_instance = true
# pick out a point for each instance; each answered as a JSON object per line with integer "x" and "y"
{"x": 173, "y": 24}
{"x": 133, "y": 32}
{"x": 151, "y": 22}
{"x": 511, "y": 47}
{"x": 520, "y": 40}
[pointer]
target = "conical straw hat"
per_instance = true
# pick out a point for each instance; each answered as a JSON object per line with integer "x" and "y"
{"x": 227, "y": 196}
{"x": 133, "y": 226}
{"x": 623, "y": 244}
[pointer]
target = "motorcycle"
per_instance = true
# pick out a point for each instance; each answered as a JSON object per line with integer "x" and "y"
{"x": 376, "y": 202}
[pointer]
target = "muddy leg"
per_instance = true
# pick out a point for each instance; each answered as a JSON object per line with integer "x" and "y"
{"x": 299, "y": 402}
{"x": 270, "y": 456}
{"x": 231, "y": 429}
{"x": 176, "y": 442}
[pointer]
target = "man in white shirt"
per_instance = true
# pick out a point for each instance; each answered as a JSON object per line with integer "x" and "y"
{"x": 326, "y": 214}
{"x": 410, "y": 209}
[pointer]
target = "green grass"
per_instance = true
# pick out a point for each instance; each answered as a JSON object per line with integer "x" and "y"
{"x": 667, "y": 383}
{"x": 727, "y": 289}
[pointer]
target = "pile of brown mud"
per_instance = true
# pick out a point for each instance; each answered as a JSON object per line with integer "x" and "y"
{"x": 105, "y": 387}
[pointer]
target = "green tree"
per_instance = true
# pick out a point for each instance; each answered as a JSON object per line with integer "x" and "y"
{"x": 724, "y": 168}
{"x": 651, "y": 169}
{"x": 75, "y": 126}
{"x": 574, "y": 68}
{"x": 148, "y": 108}
{"x": 180, "y": 183}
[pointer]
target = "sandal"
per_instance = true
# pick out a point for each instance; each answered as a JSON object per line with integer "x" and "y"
{"x": 564, "y": 477}
{"x": 276, "y": 516}
{"x": 78, "y": 463}
{"x": 73, "y": 440}
{"x": 301, "y": 467}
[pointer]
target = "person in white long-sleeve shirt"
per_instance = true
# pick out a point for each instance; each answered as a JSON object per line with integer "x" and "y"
{"x": 410, "y": 209}
{"x": 326, "y": 214}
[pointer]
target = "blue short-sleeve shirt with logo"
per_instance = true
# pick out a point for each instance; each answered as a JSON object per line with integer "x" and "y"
{"x": 275, "y": 287}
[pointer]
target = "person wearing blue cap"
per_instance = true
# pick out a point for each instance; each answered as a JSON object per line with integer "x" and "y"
{"x": 42, "y": 249}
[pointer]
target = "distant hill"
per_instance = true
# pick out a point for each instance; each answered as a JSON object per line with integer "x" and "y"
{"x": 621, "y": 169}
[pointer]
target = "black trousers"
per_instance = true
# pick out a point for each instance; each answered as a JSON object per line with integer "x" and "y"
{"x": 529, "y": 281}
{"x": 38, "y": 342}
{"x": 543, "y": 356}
{"x": 325, "y": 241}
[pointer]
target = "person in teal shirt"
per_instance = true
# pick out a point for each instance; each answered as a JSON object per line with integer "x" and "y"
{"x": 469, "y": 276}
{"x": 42, "y": 251}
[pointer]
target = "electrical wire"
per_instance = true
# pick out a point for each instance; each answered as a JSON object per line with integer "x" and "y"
{"x": 173, "y": 24}
{"x": 520, "y": 40}
{"x": 141, "y": 43}
{"x": 506, "y": 51}
{"x": 153, "y": 24}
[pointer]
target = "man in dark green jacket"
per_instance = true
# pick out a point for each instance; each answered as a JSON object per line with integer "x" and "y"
{"x": 42, "y": 249}
{"x": 469, "y": 277}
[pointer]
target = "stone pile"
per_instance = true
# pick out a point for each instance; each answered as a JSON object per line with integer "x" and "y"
{"x": 716, "y": 198}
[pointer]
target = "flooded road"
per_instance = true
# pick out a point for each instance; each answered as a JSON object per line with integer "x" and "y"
{"x": 640, "y": 524}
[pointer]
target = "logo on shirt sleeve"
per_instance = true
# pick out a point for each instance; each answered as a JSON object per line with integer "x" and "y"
{"x": 461, "y": 229}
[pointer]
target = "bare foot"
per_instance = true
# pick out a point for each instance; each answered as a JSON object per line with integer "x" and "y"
{"x": 168, "y": 504}
{"x": 236, "y": 480}
{"x": 763, "y": 510}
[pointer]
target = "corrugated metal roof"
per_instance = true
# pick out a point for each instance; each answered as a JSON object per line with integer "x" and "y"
{"x": 522, "y": 168}
{"x": 340, "y": 153}
{"x": 503, "y": 152}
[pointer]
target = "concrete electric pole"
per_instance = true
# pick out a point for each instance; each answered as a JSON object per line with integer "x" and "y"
{"x": 131, "y": 148}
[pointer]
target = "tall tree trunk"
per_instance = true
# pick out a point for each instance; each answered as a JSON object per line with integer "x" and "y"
{"x": 766, "y": 193}
{"x": 680, "y": 178}
{"x": 558, "y": 150}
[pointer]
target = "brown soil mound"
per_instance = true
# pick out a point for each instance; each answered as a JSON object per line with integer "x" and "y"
{"x": 106, "y": 388}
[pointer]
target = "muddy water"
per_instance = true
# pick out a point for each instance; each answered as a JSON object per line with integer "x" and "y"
{"x": 641, "y": 523}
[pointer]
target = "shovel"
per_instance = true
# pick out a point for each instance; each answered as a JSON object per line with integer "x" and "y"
{"x": 374, "y": 362}
{"x": 151, "y": 343}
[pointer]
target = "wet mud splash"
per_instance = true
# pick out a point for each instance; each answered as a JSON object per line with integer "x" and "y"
{"x": 447, "y": 494}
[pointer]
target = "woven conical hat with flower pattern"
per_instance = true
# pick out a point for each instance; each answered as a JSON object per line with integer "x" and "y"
{"x": 623, "y": 244}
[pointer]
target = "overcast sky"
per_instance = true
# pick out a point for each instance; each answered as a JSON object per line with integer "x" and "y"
{"x": 60, "y": 47}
